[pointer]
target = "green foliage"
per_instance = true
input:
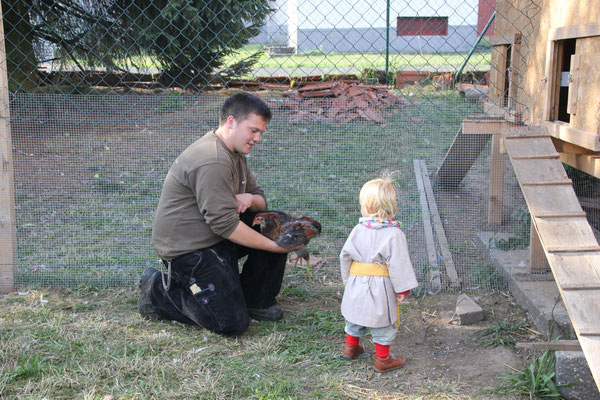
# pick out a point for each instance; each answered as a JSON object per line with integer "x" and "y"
{"x": 30, "y": 368}
{"x": 172, "y": 102}
{"x": 521, "y": 230}
{"x": 536, "y": 379}
{"x": 189, "y": 38}
{"x": 502, "y": 334}
{"x": 486, "y": 276}
{"x": 186, "y": 39}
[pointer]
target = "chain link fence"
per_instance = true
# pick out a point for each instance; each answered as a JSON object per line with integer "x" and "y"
{"x": 104, "y": 94}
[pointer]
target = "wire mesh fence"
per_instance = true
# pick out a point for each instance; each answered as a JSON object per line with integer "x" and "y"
{"x": 105, "y": 94}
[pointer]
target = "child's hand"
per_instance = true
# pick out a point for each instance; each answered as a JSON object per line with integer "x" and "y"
{"x": 400, "y": 297}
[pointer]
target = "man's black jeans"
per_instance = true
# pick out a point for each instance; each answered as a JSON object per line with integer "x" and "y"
{"x": 222, "y": 295}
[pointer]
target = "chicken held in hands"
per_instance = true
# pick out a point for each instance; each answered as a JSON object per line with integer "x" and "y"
{"x": 287, "y": 231}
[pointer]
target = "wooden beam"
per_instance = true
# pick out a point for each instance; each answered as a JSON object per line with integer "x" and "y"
{"x": 569, "y": 148}
{"x": 498, "y": 74}
{"x": 562, "y": 131}
{"x": 583, "y": 286}
{"x": 590, "y": 164}
{"x": 572, "y": 249}
{"x": 434, "y": 268}
{"x": 575, "y": 31}
{"x": 501, "y": 40}
{"x": 538, "y": 264}
{"x": 561, "y": 345}
{"x": 537, "y": 157}
{"x": 573, "y": 96}
{"x": 571, "y": 215}
{"x": 515, "y": 64}
{"x": 439, "y": 230}
{"x": 550, "y": 82}
{"x": 474, "y": 127}
{"x": 549, "y": 183}
{"x": 7, "y": 205}
{"x": 496, "y": 189}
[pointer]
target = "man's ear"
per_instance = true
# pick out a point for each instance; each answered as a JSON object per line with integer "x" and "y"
{"x": 230, "y": 121}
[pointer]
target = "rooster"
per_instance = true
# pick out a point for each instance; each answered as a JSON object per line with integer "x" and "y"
{"x": 288, "y": 231}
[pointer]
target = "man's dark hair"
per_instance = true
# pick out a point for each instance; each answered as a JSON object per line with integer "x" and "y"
{"x": 241, "y": 105}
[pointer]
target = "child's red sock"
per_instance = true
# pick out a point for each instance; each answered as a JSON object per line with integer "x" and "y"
{"x": 382, "y": 351}
{"x": 352, "y": 340}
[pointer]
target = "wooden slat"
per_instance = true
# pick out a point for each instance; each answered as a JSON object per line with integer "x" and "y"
{"x": 591, "y": 349}
{"x": 527, "y": 146}
{"x": 571, "y": 234}
{"x": 587, "y": 163}
{"x": 434, "y": 278}
{"x": 576, "y": 269}
{"x": 579, "y": 137}
{"x": 461, "y": 155}
{"x": 7, "y": 205}
{"x": 439, "y": 230}
{"x": 538, "y": 263}
{"x": 514, "y": 72}
{"x": 571, "y": 215}
{"x": 483, "y": 127}
{"x": 594, "y": 333}
{"x": 561, "y": 345}
{"x": 581, "y": 287}
{"x": 565, "y": 182}
{"x": 575, "y": 31}
{"x": 538, "y": 157}
{"x": 552, "y": 200}
{"x": 541, "y": 135}
{"x": 539, "y": 171}
{"x": 573, "y": 96}
{"x": 496, "y": 194}
{"x": 572, "y": 249}
{"x": 583, "y": 307}
{"x": 525, "y": 131}
{"x": 547, "y": 80}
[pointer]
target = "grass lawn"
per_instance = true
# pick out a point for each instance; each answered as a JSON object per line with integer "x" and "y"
{"x": 86, "y": 193}
{"x": 360, "y": 61}
{"x": 92, "y": 344}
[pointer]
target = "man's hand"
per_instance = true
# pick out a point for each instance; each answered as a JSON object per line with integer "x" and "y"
{"x": 247, "y": 201}
{"x": 400, "y": 297}
{"x": 248, "y": 237}
{"x": 244, "y": 202}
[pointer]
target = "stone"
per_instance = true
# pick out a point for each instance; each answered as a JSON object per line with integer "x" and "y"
{"x": 571, "y": 366}
{"x": 467, "y": 311}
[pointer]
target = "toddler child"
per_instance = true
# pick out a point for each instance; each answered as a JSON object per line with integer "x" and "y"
{"x": 378, "y": 274}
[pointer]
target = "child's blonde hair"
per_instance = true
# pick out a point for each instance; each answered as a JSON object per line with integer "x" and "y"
{"x": 379, "y": 196}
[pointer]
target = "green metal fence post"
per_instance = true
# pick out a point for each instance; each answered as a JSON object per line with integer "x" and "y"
{"x": 457, "y": 76}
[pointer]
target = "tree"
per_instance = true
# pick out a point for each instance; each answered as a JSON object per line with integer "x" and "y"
{"x": 187, "y": 39}
{"x": 190, "y": 38}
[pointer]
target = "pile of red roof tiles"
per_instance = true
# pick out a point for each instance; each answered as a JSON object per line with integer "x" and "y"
{"x": 340, "y": 102}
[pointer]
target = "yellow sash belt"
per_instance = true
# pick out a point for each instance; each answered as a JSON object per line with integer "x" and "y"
{"x": 372, "y": 269}
{"x": 368, "y": 269}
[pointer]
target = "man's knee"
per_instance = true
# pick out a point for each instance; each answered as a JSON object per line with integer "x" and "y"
{"x": 232, "y": 326}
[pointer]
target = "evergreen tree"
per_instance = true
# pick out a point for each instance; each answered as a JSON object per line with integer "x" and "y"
{"x": 186, "y": 39}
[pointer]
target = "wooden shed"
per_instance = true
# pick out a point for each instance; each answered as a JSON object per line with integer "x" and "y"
{"x": 543, "y": 109}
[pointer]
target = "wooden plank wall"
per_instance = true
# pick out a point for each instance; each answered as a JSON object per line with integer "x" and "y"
{"x": 535, "y": 21}
{"x": 7, "y": 206}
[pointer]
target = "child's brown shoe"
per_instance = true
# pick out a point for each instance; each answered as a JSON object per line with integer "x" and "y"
{"x": 351, "y": 352}
{"x": 389, "y": 363}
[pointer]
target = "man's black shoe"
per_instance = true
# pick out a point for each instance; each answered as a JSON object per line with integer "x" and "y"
{"x": 273, "y": 313}
{"x": 145, "y": 306}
